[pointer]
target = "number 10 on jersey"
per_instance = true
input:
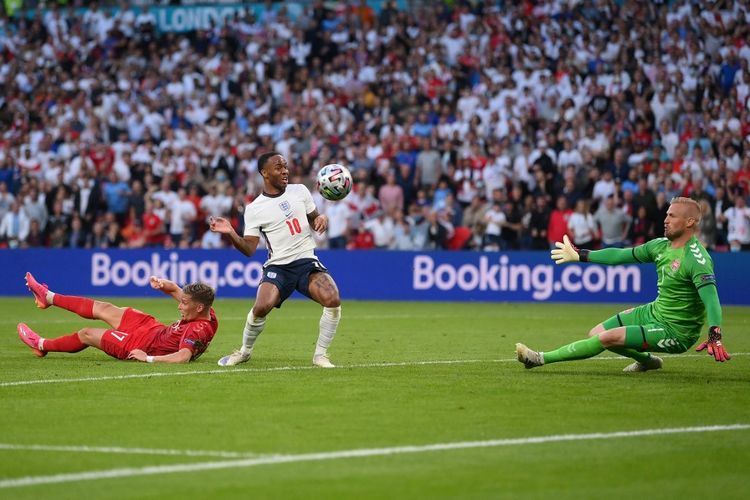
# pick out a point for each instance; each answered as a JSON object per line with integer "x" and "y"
{"x": 294, "y": 226}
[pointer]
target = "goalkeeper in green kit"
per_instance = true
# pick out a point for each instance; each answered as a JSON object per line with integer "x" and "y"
{"x": 672, "y": 323}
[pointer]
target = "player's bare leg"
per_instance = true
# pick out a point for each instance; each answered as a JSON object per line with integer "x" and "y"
{"x": 324, "y": 291}
{"x": 109, "y": 313}
{"x": 82, "y": 306}
{"x": 266, "y": 299}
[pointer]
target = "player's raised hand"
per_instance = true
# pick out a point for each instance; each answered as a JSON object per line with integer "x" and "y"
{"x": 565, "y": 252}
{"x": 320, "y": 223}
{"x": 714, "y": 345}
{"x": 220, "y": 225}
{"x": 156, "y": 283}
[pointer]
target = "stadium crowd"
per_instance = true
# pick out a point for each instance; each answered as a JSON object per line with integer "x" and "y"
{"x": 482, "y": 125}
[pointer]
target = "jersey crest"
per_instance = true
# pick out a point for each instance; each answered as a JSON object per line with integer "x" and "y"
{"x": 675, "y": 265}
{"x": 286, "y": 207}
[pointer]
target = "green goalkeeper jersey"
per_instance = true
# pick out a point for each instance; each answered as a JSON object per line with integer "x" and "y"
{"x": 681, "y": 273}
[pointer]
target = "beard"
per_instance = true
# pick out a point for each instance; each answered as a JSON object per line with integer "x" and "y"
{"x": 673, "y": 234}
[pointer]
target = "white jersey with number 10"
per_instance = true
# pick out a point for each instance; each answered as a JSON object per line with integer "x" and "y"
{"x": 282, "y": 222}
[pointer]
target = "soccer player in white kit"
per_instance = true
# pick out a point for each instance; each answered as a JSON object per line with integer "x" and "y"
{"x": 283, "y": 215}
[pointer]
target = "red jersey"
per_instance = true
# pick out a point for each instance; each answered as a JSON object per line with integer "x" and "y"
{"x": 194, "y": 335}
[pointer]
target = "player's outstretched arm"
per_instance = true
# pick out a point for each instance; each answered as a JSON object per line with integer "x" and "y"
{"x": 245, "y": 245}
{"x": 566, "y": 252}
{"x": 169, "y": 287}
{"x": 181, "y": 356}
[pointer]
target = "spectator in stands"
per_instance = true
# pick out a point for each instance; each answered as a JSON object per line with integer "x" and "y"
{"x": 737, "y": 219}
{"x": 641, "y": 229}
{"x": 582, "y": 227}
{"x": 558, "y": 221}
{"x": 437, "y": 232}
{"x": 707, "y": 235}
{"x": 613, "y": 223}
{"x": 391, "y": 195}
{"x": 494, "y": 220}
{"x": 35, "y": 237}
{"x": 6, "y": 199}
{"x": 181, "y": 214}
{"x": 36, "y": 209}
{"x": 15, "y": 226}
{"x": 339, "y": 216}
{"x": 538, "y": 224}
{"x": 381, "y": 227}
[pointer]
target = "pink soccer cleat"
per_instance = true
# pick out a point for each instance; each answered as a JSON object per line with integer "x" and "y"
{"x": 39, "y": 291}
{"x": 31, "y": 339}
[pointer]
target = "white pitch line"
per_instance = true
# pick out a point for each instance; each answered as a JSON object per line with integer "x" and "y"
{"x": 224, "y": 371}
{"x": 125, "y": 451}
{"x": 356, "y": 453}
{"x": 243, "y": 370}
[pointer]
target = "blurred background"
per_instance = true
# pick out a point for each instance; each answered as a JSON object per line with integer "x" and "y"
{"x": 467, "y": 125}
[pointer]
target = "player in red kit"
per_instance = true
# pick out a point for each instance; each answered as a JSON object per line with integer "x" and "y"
{"x": 133, "y": 334}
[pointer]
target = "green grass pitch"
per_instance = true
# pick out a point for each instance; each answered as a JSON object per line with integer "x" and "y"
{"x": 270, "y": 426}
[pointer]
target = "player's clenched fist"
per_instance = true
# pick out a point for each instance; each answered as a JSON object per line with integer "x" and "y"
{"x": 219, "y": 225}
{"x": 320, "y": 223}
{"x": 156, "y": 283}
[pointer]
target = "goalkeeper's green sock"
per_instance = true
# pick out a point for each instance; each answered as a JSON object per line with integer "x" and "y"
{"x": 639, "y": 356}
{"x": 580, "y": 349}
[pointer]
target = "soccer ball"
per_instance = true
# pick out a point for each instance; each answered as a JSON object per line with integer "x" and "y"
{"x": 334, "y": 182}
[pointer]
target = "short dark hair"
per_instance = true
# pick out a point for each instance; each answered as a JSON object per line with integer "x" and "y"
{"x": 200, "y": 292}
{"x": 263, "y": 159}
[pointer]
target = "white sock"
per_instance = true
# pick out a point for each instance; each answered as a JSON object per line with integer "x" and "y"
{"x": 50, "y": 297}
{"x": 329, "y": 321}
{"x": 41, "y": 344}
{"x": 253, "y": 327}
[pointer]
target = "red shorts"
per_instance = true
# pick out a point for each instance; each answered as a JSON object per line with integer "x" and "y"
{"x": 134, "y": 332}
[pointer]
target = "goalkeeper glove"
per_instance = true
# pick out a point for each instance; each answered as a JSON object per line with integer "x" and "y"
{"x": 566, "y": 252}
{"x": 714, "y": 345}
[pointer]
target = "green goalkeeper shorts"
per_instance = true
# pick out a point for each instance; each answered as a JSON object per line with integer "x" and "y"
{"x": 644, "y": 333}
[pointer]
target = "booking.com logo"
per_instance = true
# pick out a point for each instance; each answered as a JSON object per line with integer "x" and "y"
{"x": 503, "y": 276}
{"x": 121, "y": 273}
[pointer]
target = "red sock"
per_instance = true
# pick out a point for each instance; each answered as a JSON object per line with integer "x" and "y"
{"x": 66, "y": 343}
{"x": 80, "y": 305}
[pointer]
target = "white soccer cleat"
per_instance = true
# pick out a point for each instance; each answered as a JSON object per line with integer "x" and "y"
{"x": 529, "y": 358}
{"x": 235, "y": 358}
{"x": 322, "y": 361}
{"x": 653, "y": 363}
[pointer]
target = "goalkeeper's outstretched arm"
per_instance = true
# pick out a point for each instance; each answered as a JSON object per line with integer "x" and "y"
{"x": 566, "y": 252}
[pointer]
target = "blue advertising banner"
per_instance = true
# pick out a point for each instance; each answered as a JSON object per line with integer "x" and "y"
{"x": 362, "y": 275}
